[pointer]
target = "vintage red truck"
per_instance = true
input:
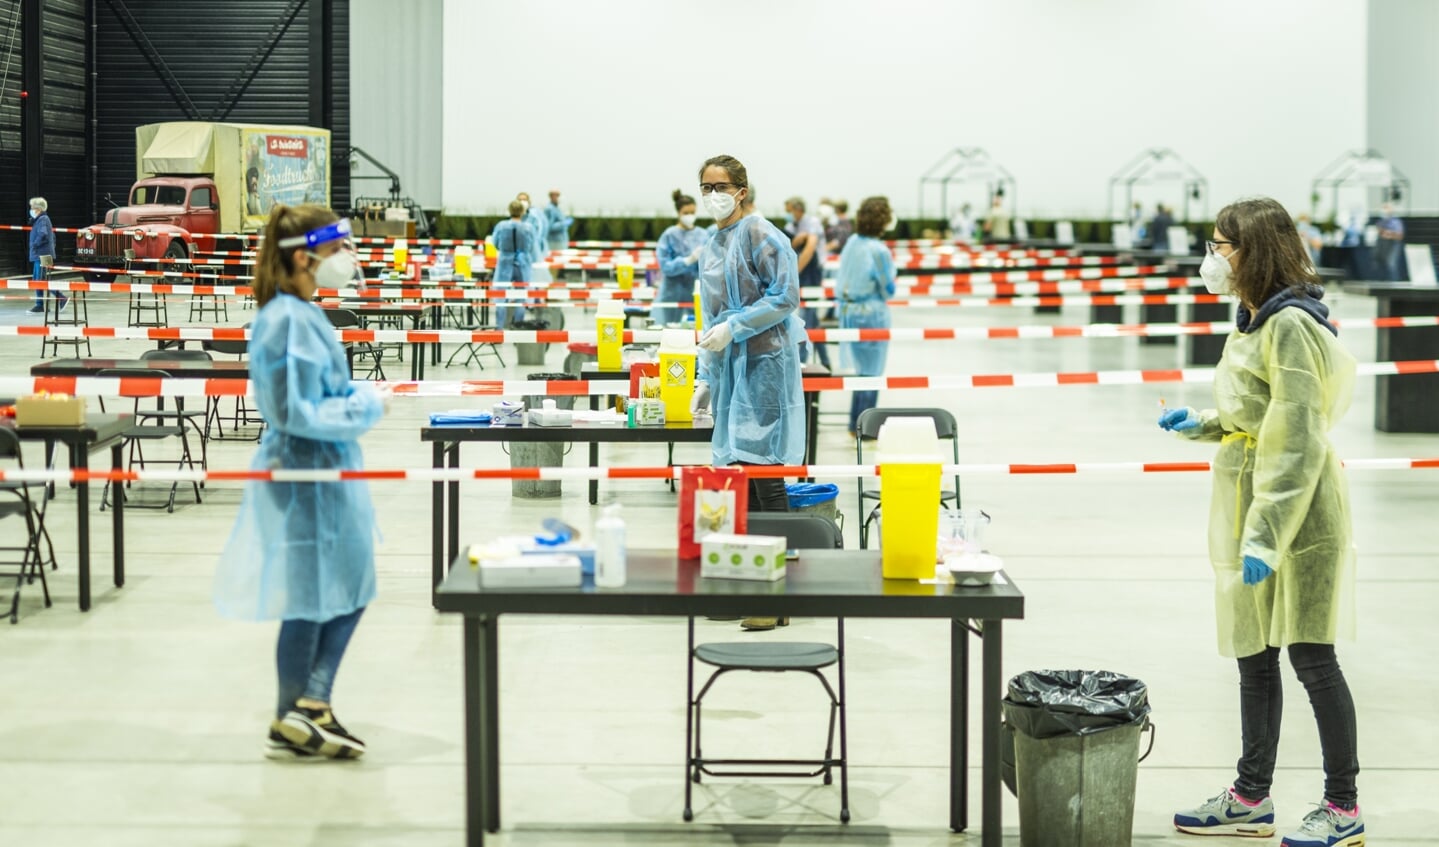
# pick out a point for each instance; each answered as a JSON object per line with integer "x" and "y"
{"x": 202, "y": 187}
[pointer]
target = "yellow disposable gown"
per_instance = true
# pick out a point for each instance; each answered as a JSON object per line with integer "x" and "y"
{"x": 1279, "y": 489}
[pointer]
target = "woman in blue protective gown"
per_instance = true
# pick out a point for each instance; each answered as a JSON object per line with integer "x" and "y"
{"x": 514, "y": 242}
{"x": 303, "y": 552}
{"x": 866, "y": 278}
{"x": 749, "y": 290}
{"x": 679, "y": 257}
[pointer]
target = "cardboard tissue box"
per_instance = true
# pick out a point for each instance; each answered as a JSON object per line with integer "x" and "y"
{"x": 754, "y": 557}
{"x": 50, "y": 410}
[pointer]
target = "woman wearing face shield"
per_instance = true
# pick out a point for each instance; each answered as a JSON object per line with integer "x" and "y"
{"x": 678, "y": 253}
{"x": 1280, "y": 529}
{"x": 303, "y": 553}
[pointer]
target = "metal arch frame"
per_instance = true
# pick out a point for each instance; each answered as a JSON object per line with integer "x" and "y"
{"x": 968, "y": 157}
{"x": 1136, "y": 170}
{"x": 1342, "y": 170}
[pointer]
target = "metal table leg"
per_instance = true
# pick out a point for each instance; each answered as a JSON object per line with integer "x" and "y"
{"x": 117, "y": 518}
{"x": 79, "y": 461}
{"x": 474, "y": 734}
{"x": 437, "y": 520}
{"x": 454, "y": 506}
{"x": 490, "y": 680}
{"x": 991, "y": 822}
{"x": 958, "y": 725}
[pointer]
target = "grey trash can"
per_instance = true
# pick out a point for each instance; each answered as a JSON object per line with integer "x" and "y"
{"x": 814, "y": 498}
{"x": 1076, "y": 754}
{"x": 540, "y": 454}
{"x": 530, "y": 354}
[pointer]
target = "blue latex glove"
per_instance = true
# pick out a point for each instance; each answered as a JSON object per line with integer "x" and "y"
{"x": 1178, "y": 420}
{"x": 1255, "y": 571}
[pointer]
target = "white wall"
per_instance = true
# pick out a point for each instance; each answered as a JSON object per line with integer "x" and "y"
{"x": 396, "y": 70}
{"x": 1403, "y": 93}
{"x": 615, "y": 101}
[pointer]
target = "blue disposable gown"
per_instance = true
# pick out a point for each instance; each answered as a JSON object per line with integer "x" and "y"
{"x": 302, "y": 550}
{"x": 748, "y": 277}
{"x": 558, "y": 225}
{"x": 536, "y": 220}
{"x": 678, "y": 284}
{"x": 514, "y": 241}
{"x": 866, "y": 278}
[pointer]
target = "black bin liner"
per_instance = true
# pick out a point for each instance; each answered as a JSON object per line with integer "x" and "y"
{"x": 564, "y": 401}
{"x": 1052, "y": 704}
{"x": 530, "y": 324}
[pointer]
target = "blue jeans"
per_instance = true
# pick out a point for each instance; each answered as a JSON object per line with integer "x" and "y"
{"x": 38, "y": 273}
{"x": 859, "y": 403}
{"x": 308, "y": 657}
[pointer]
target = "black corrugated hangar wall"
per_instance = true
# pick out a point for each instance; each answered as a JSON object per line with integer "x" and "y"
{"x": 112, "y": 65}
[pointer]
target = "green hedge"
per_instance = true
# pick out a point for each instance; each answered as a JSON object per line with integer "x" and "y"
{"x": 649, "y": 229}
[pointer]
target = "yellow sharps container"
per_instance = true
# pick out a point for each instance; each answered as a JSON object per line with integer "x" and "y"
{"x": 463, "y": 253}
{"x": 677, "y": 374}
{"x": 910, "y": 463}
{"x": 699, "y": 314}
{"x": 402, "y": 254}
{"x": 625, "y": 276}
{"x": 610, "y": 334}
{"x": 491, "y": 251}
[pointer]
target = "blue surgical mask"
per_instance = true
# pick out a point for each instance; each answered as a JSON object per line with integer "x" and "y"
{"x": 34, "y": 214}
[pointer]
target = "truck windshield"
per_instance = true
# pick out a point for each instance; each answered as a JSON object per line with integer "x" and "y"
{"x": 163, "y": 195}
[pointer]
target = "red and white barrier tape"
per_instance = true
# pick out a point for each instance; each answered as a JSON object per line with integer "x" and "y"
{"x": 95, "y": 386}
{"x": 431, "y": 475}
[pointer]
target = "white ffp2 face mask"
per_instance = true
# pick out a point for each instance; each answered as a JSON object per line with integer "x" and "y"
{"x": 1217, "y": 273}
{"x": 719, "y": 204}
{"x": 336, "y": 270}
{"x": 688, "y": 221}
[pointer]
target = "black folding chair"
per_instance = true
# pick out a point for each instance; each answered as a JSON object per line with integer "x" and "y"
{"x": 804, "y": 532}
{"x": 152, "y": 426}
{"x": 243, "y": 416}
{"x": 869, "y": 425}
{"x": 357, "y": 351}
{"x": 15, "y": 501}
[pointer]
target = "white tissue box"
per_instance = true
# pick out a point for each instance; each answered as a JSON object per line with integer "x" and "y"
{"x": 754, "y": 557}
{"x": 556, "y": 570}
{"x": 649, "y": 412}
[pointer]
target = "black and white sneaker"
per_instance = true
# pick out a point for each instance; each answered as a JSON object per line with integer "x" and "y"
{"x": 279, "y": 749}
{"x": 317, "y": 731}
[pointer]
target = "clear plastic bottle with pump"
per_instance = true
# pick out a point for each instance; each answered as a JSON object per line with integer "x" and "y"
{"x": 610, "y": 549}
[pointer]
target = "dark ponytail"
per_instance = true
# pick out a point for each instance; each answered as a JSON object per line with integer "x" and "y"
{"x": 682, "y": 199}
{"x": 275, "y": 265}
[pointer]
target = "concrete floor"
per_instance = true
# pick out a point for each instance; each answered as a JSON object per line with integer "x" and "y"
{"x": 141, "y": 722}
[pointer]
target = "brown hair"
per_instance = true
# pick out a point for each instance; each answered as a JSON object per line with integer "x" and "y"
{"x": 516, "y": 208}
{"x": 873, "y": 216}
{"x": 275, "y": 265}
{"x": 840, "y": 207}
{"x": 1272, "y": 257}
{"x": 682, "y": 199}
{"x": 736, "y": 172}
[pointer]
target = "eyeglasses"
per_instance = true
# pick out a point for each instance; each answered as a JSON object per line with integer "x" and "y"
{"x": 725, "y": 187}
{"x": 1212, "y": 245}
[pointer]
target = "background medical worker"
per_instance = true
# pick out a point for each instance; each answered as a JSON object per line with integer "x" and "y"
{"x": 514, "y": 242}
{"x": 749, "y": 290}
{"x": 303, "y": 553}
{"x": 866, "y": 277}
{"x": 678, "y": 253}
{"x": 1279, "y": 534}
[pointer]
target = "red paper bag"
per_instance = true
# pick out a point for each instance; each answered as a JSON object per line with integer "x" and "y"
{"x": 711, "y": 500}
{"x": 641, "y": 371}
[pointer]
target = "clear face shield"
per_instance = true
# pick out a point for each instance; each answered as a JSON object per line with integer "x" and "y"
{"x": 337, "y": 269}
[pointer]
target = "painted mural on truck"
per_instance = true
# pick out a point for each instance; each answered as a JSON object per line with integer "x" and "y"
{"x": 284, "y": 167}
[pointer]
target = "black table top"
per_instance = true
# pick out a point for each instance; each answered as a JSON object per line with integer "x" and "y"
{"x": 820, "y": 583}
{"x": 1396, "y": 290}
{"x": 613, "y": 433}
{"x": 179, "y": 369}
{"x": 98, "y": 429}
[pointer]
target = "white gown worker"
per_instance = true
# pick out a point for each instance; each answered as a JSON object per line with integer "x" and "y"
{"x": 1280, "y": 530}
{"x": 303, "y": 552}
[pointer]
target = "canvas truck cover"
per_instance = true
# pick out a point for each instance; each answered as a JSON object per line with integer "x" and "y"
{"x": 290, "y": 164}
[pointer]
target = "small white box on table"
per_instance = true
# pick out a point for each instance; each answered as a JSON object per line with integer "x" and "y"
{"x": 754, "y": 557}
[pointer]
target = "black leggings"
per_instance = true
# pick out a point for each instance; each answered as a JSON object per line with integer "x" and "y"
{"x": 767, "y": 494}
{"x": 1261, "y": 706}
